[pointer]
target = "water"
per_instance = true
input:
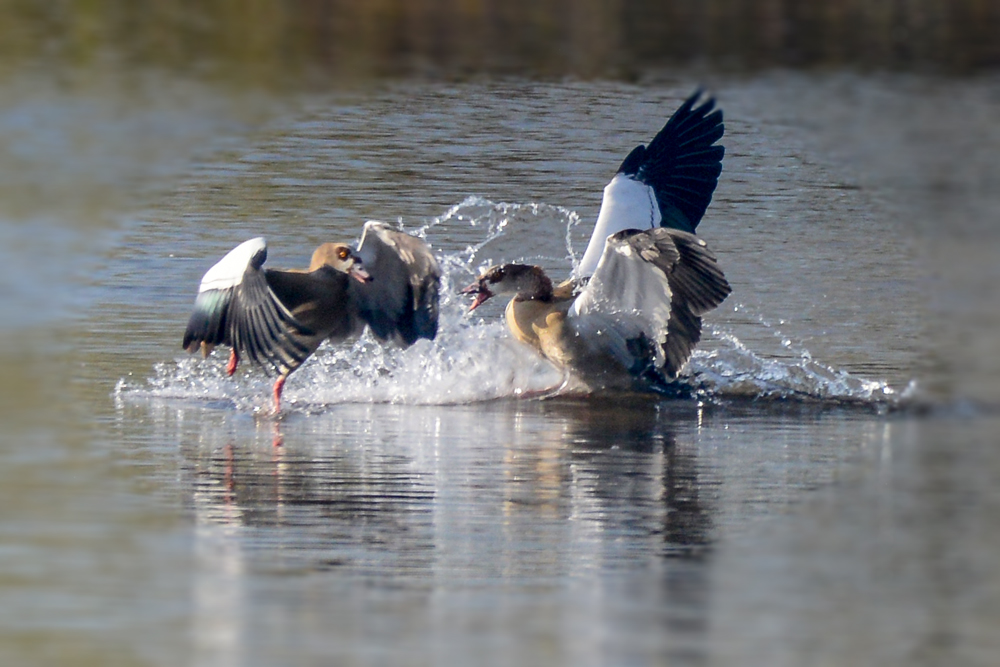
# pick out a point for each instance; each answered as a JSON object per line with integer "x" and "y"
{"x": 828, "y": 497}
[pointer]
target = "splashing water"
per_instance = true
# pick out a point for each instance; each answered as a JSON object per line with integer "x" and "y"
{"x": 473, "y": 359}
{"x": 734, "y": 371}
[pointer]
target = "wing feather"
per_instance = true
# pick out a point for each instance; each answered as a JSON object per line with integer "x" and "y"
{"x": 668, "y": 183}
{"x": 236, "y": 306}
{"x": 656, "y": 284}
{"x": 210, "y": 319}
{"x": 401, "y": 301}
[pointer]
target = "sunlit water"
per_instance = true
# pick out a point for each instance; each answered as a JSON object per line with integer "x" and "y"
{"x": 474, "y": 360}
{"x": 826, "y": 496}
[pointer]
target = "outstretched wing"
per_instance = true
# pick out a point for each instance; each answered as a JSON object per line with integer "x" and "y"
{"x": 235, "y": 306}
{"x": 401, "y": 301}
{"x": 668, "y": 183}
{"x": 652, "y": 286}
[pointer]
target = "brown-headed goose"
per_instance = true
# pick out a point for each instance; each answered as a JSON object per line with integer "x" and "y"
{"x": 278, "y": 318}
{"x": 631, "y": 312}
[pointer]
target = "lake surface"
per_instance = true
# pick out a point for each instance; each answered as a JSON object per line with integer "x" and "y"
{"x": 829, "y": 496}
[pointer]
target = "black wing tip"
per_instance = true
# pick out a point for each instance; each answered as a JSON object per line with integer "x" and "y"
{"x": 706, "y": 113}
{"x": 687, "y": 141}
{"x": 192, "y": 340}
{"x": 683, "y": 151}
{"x": 707, "y": 108}
{"x": 699, "y": 286}
{"x": 690, "y": 115}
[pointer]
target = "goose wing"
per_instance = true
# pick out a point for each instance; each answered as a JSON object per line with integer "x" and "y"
{"x": 667, "y": 183}
{"x": 648, "y": 294}
{"x": 236, "y": 306}
{"x": 401, "y": 301}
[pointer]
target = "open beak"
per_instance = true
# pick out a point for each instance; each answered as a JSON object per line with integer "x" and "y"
{"x": 482, "y": 294}
{"x": 358, "y": 272}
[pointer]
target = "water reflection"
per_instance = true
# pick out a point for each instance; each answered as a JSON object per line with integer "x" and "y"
{"x": 577, "y": 461}
{"x": 609, "y": 531}
{"x": 469, "y": 504}
{"x": 217, "y": 590}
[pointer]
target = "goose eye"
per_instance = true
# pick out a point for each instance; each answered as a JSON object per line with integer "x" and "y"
{"x": 342, "y": 253}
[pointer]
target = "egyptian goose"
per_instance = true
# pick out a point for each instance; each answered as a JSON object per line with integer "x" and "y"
{"x": 278, "y": 318}
{"x": 630, "y": 314}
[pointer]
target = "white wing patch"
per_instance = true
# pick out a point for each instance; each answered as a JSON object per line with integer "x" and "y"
{"x": 627, "y": 204}
{"x": 627, "y": 293}
{"x": 625, "y": 282}
{"x": 228, "y": 271}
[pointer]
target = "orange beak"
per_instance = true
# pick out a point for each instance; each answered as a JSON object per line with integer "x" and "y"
{"x": 481, "y": 291}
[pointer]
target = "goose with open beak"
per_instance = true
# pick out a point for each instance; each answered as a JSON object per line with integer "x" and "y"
{"x": 630, "y": 314}
{"x": 278, "y": 318}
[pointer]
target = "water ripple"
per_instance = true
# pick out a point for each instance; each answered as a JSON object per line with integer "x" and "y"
{"x": 474, "y": 359}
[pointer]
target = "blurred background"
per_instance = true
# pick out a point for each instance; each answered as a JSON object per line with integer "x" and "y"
{"x": 110, "y": 109}
{"x": 282, "y": 43}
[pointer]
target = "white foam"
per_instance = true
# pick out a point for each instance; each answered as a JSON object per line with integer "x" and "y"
{"x": 732, "y": 370}
{"x": 476, "y": 360}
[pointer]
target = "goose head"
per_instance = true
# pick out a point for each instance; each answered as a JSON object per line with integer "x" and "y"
{"x": 341, "y": 257}
{"x": 521, "y": 281}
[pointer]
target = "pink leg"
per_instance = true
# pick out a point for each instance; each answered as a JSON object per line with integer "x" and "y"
{"x": 234, "y": 359}
{"x": 279, "y": 384}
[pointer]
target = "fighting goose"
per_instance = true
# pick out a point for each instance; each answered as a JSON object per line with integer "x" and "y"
{"x": 631, "y": 312}
{"x": 278, "y": 318}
